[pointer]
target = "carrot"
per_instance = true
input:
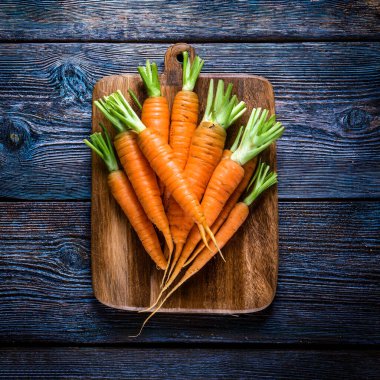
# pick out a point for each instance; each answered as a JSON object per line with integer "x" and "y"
{"x": 125, "y": 196}
{"x": 205, "y": 153}
{"x": 262, "y": 180}
{"x": 259, "y": 133}
{"x": 249, "y": 169}
{"x": 184, "y": 116}
{"x": 155, "y": 110}
{"x": 141, "y": 176}
{"x": 159, "y": 155}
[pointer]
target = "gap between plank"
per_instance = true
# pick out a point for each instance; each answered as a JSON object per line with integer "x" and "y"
{"x": 200, "y": 345}
{"x": 220, "y": 40}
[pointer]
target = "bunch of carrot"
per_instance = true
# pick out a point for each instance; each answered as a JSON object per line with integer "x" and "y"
{"x": 177, "y": 175}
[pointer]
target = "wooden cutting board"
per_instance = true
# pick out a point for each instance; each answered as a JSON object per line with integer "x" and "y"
{"x": 123, "y": 275}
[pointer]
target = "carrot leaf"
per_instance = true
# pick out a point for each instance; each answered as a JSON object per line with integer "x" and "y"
{"x": 103, "y": 147}
{"x": 190, "y": 71}
{"x": 117, "y": 109}
{"x": 237, "y": 139}
{"x": 149, "y": 75}
{"x": 261, "y": 181}
{"x": 223, "y": 109}
{"x": 106, "y": 111}
{"x": 261, "y": 131}
{"x": 135, "y": 99}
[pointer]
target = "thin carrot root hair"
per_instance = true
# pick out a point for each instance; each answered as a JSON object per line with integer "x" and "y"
{"x": 177, "y": 253}
{"x": 183, "y": 279}
{"x": 159, "y": 297}
{"x": 193, "y": 256}
{"x": 212, "y": 237}
{"x": 167, "y": 273}
{"x": 147, "y": 319}
{"x": 202, "y": 229}
{"x": 169, "y": 243}
{"x": 156, "y": 301}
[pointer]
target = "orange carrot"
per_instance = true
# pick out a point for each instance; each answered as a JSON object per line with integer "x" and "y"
{"x": 249, "y": 169}
{"x": 143, "y": 181}
{"x": 184, "y": 117}
{"x": 142, "y": 177}
{"x": 205, "y": 153}
{"x": 260, "y": 132}
{"x": 155, "y": 110}
{"x": 125, "y": 196}
{"x": 159, "y": 154}
{"x": 262, "y": 180}
{"x": 225, "y": 179}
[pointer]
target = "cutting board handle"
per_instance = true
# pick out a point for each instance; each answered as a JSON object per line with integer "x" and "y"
{"x": 173, "y": 65}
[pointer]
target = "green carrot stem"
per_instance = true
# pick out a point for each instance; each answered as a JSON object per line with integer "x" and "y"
{"x": 106, "y": 111}
{"x": 237, "y": 139}
{"x": 259, "y": 133}
{"x": 261, "y": 181}
{"x": 135, "y": 99}
{"x": 149, "y": 75}
{"x": 223, "y": 109}
{"x": 190, "y": 71}
{"x": 117, "y": 109}
{"x": 103, "y": 147}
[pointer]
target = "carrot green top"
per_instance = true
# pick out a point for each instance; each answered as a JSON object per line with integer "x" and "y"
{"x": 259, "y": 133}
{"x": 222, "y": 109}
{"x": 236, "y": 143}
{"x": 190, "y": 71}
{"x": 135, "y": 99}
{"x": 149, "y": 75}
{"x": 103, "y": 147}
{"x": 120, "y": 113}
{"x": 261, "y": 181}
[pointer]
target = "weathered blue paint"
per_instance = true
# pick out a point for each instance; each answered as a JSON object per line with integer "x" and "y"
{"x": 152, "y": 20}
{"x": 327, "y": 292}
{"x": 331, "y": 115}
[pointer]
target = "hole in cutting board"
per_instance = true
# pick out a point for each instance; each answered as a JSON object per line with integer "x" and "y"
{"x": 180, "y": 58}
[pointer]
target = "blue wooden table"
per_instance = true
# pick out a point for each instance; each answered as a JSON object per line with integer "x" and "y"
{"x": 323, "y": 59}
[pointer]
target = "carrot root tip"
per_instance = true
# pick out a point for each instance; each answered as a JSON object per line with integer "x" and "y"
{"x": 203, "y": 235}
{"x": 209, "y": 232}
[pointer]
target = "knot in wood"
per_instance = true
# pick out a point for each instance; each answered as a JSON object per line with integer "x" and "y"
{"x": 14, "y": 133}
{"x": 72, "y": 258}
{"x": 355, "y": 119}
{"x": 72, "y": 83}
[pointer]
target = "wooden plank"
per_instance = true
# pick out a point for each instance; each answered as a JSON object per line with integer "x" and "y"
{"x": 117, "y": 257}
{"x": 184, "y": 363}
{"x": 328, "y": 289}
{"x": 327, "y": 95}
{"x": 188, "y": 20}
